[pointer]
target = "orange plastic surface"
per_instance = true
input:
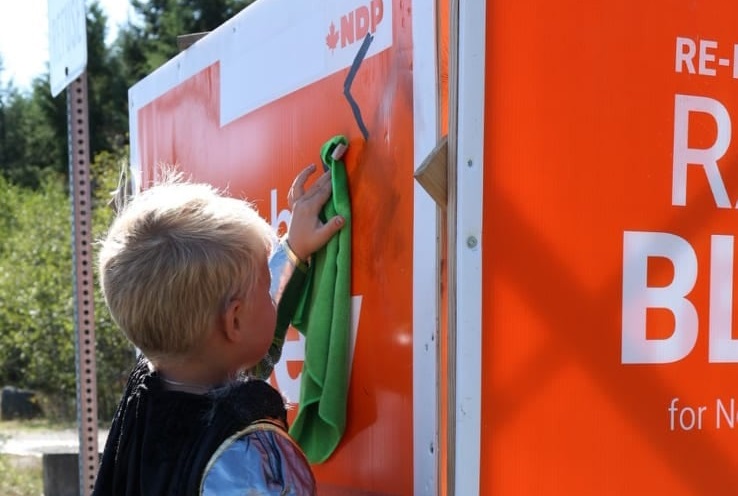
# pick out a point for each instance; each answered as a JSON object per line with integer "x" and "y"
{"x": 264, "y": 150}
{"x": 579, "y": 140}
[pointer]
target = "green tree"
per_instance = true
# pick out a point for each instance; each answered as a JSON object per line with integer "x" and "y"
{"x": 114, "y": 354}
{"x": 36, "y": 293}
{"x": 35, "y": 277}
{"x": 33, "y": 126}
{"x": 37, "y": 342}
{"x": 28, "y": 144}
{"x": 146, "y": 46}
{"x": 106, "y": 96}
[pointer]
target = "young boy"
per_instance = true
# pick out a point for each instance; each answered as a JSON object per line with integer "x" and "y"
{"x": 185, "y": 274}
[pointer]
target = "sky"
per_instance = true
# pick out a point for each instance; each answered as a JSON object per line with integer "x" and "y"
{"x": 24, "y": 43}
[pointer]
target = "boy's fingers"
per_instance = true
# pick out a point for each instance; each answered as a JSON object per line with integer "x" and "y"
{"x": 320, "y": 191}
{"x": 303, "y": 176}
{"x": 327, "y": 230}
{"x": 297, "y": 190}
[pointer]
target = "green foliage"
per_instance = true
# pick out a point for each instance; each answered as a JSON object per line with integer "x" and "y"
{"x": 28, "y": 143}
{"x": 114, "y": 354}
{"x": 33, "y": 126}
{"x": 37, "y": 345}
{"x": 106, "y": 96}
{"x": 35, "y": 281}
{"x": 20, "y": 477}
{"x": 147, "y": 46}
{"x": 37, "y": 330}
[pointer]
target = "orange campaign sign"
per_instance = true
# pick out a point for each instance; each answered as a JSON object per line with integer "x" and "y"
{"x": 249, "y": 106}
{"x": 610, "y": 355}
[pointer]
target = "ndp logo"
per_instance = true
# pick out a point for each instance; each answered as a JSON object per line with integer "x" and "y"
{"x": 355, "y": 25}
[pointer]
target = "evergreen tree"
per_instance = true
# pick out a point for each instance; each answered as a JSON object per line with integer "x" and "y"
{"x": 33, "y": 127}
{"x": 147, "y": 46}
{"x": 37, "y": 342}
{"x": 106, "y": 96}
{"x": 36, "y": 292}
{"x": 28, "y": 143}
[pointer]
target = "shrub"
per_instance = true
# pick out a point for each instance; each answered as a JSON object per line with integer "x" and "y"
{"x": 37, "y": 329}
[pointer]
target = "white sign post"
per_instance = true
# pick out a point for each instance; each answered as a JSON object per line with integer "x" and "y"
{"x": 67, "y": 64}
{"x": 67, "y": 42}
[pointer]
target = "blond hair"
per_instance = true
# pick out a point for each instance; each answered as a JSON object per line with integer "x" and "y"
{"x": 174, "y": 258}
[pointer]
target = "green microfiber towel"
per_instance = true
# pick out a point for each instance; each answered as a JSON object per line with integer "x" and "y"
{"x": 324, "y": 318}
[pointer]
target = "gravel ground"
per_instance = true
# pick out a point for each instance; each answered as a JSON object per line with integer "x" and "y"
{"x": 36, "y": 443}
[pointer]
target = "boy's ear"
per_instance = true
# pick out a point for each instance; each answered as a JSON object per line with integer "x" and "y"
{"x": 232, "y": 320}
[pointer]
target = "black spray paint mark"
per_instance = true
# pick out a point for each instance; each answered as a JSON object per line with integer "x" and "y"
{"x": 350, "y": 79}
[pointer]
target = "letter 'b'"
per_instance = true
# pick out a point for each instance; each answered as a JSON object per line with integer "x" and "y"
{"x": 638, "y": 297}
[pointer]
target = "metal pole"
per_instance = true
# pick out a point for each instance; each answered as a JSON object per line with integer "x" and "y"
{"x": 84, "y": 301}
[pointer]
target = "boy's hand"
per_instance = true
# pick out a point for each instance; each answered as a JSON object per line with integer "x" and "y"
{"x": 307, "y": 233}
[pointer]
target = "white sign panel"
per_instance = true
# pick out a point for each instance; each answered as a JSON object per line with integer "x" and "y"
{"x": 310, "y": 40}
{"x": 67, "y": 42}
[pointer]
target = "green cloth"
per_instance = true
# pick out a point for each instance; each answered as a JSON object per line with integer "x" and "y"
{"x": 324, "y": 318}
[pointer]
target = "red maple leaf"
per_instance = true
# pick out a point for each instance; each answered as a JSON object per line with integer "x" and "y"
{"x": 332, "y": 39}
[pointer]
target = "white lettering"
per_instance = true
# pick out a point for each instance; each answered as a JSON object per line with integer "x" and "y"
{"x": 685, "y": 52}
{"x": 638, "y": 247}
{"x": 723, "y": 348}
{"x": 706, "y": 57}
{"x": 689, "y": 418}
{"x": 288, "y": 382}
{"x": 706, "y": 157}
{"x": 729, "y": 417}
{"x": 284, "y": 217}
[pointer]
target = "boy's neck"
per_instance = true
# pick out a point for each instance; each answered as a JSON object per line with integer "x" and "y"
{"x": 186, "y": 387}
{"x": 191, "y": 375}
{"x": 210, "y": 364}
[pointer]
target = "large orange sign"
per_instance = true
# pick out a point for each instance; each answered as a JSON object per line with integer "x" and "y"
{"x": 610, "y": 359}
{"x": 336, "y": 68}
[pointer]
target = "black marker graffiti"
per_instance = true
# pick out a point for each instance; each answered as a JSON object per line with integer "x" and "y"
{"x": 350, "y": 79}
